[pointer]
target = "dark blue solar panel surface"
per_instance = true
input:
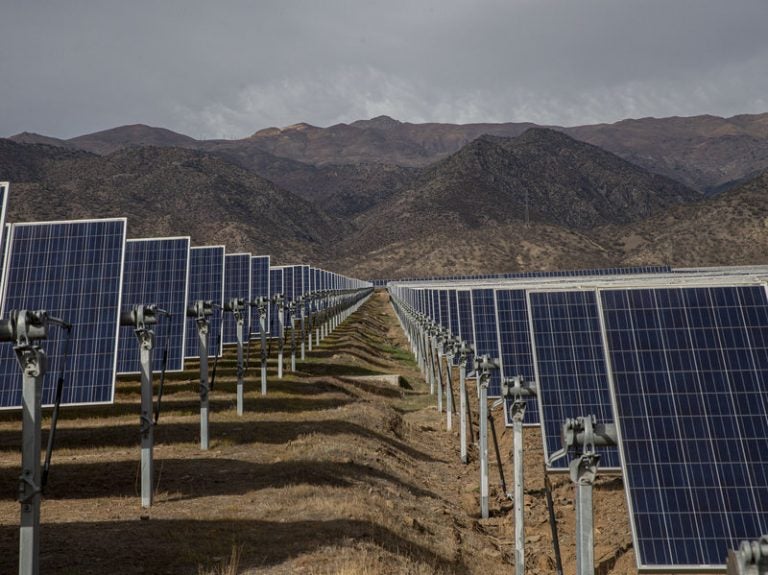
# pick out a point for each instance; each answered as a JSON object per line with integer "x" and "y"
{"x": 486, "y": 335}
{"x": 453, "y": 312}
{"x": 206, "y": 282}
{"x": 289, "y": 283}
{"x": 156, "y": 272}
{"x": 260, "y": 288}
{"x": 276, "y": 287}
{"x": 443, "y": 317}
{"x": 515, "y": 343}
{"x": 689, "y": 369}
{"x": 298, "y": 281}
{"x": 73, "y": 270}
{"x": 464, "y": 304}
{"x": 237, "y": 284}
{"x": 571, "y": 366}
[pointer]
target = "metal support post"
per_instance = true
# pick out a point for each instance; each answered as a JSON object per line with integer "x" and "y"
{"x": 240, "y": 368}
{"x": 32, "y": 360}
{"x": 448, "y": 393}
{"x": 584, "y": 432}
{"x": 201, "y": 310}
{"x": 438, "y": 351}
{"x": 279, "y": 301}
{"x": 262, "y": 308}
{"x": 514, "y": 391}
{"x": 484, "y": 491}
{"x": 23, "y": 328}
{"x": 463, "y": 409}
{"x": 518, "y": 413}
{"x": 302, "y": 303}
{"x": 292, "y": 322}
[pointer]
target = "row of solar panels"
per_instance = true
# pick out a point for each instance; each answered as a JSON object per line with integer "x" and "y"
{"x": 679, "y": 361}
{"x": 521, "y": 275}
{"x": 86, "y": 272}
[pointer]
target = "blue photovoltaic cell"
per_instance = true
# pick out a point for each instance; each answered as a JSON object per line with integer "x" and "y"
{"x": 453, "y": 313}
{"x": 156, "y": 271}
{"x": 689, "y": 368}
{"x": 298, "y": 281}
{"x": 260, "y": 288}
{"x": 237, "y": 284}
{"x": 276, "y": 287}
{"x": 206, "y": 282}
{"x": 74, "y": 271}
{"x": 486, "y": 334}
{"x": 515, "y": 344}
{"x": 570, "y": 361}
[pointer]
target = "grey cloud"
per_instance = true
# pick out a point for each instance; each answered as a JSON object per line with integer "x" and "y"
{"x": 227, "y": 69}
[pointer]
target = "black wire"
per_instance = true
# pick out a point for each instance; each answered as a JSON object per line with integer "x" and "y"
{"x": 56, "y": 408}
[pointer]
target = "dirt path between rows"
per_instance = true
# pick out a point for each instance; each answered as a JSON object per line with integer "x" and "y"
{"x": 327, "y": 474}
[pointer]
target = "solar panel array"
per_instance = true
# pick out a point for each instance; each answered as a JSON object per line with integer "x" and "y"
{"x": 682, "y": 368}
{"x": 237, "y": 284}
{"x": 156, "y": 272}
{"x": 206, "y": 282}
{"x": 73, "y": 270}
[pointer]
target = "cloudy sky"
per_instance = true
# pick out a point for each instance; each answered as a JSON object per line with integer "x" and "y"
{"x": 229, "y": 68}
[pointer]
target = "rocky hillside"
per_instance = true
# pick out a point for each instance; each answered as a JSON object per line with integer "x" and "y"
{"x": 168, "y": 191}
{"x": 488, "y": 184}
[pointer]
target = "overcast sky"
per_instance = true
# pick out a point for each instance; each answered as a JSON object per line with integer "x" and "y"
{"x": 228, "y": 68}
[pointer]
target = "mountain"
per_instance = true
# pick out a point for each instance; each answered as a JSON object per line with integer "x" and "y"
{"x": 488, "y": 184}
{"x": 108, "y": 141}
{"x": 730, "y": 229}
{"x": 171, "y": 191}
{"x": 706, "y": 153}
{"x": 28, "y": 162}
{"x": 32, "y": 138}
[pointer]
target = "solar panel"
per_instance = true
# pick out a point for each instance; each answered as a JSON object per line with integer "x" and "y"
{"x": 514, "y": 349}
{"x": 453, "y": 313}
{"x": 570, "y": 366}
{"x": 260, "y": 288}
{"x": 156, "y": 272}
{"x": 444, "y": 316}
{"x": 237, "y": 284}
{"x": 206, "y": 282}
{"x": 73, "y": 270}
{"x": 486, "y": 333}
{"x": 276, "y": 287}
{"x": 305, "y": 280}
{"x": 688, "y": 369}
{"x": 464, "y": 308}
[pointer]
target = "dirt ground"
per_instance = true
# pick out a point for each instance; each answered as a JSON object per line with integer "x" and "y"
{"x": 327, "y": 474}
